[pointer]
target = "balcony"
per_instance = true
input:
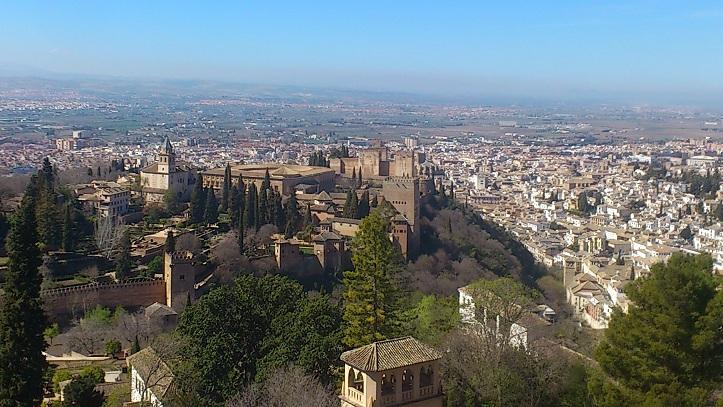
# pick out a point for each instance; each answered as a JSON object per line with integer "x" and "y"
{"x": 426, "y": 391}
{"x": 388, "y": 400}
{"x": 355, "y": 396}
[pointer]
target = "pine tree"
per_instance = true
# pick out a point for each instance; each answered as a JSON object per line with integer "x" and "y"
{"x": 226, "y": 188}
{"x": 363, "y": 210}
{"x": 370, "y": 296}
{"x": 123, "y": 262}
{"x": 198, "y": 201}
{"x": 22, "y": 319}
{"x": 211, "y": 213}
{"x": 251, "y": 203}
{"x": 170, "y": 242}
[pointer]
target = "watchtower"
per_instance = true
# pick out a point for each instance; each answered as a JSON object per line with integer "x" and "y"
{"x": 179, "y": 275}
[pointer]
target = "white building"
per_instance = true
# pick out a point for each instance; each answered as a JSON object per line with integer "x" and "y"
{"x": 150, "y": 377}
{"x": 166, "y": 175}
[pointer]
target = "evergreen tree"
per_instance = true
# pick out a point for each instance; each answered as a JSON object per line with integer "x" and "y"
{"x": 81, "y": 392}
{"x": 211, "y": 213}
{"x": 251, "y": 203}
{"x": 123, "y": 262}
{"x": 136, "y": 346}
{"x": 266, "y": 183}
{"x": 170, "y": 242}
{"x": 292, "y": 216}
{"x": 353, "y": 177}
{"x": 667, "y": 349}
{"x": 308, "y": 216}
{"x": 363, "y": 209}
{"x": 346, "y": 212}
{"x": 22, "y": 319}
{"x": 280, "y": 220}
{"x": 354, "y": 209}
{"x": 263, "y": 215}
{"x": 198, "y": 201}
{"x": 47, "y": 216}
{"x": 68, "y": 229}
{"x": 233, "y": 206}
{"x": 370, "y": 296}
{"x": 90, "y": 172}
{"x": 98, "y": 172}
{"x": 719, "y": 212}
{"x": 359, "y": 183}
{"x": 374, "y": 203}
{"x": 226, "y": 188}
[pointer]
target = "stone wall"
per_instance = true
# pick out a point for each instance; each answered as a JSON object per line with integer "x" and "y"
{"x": 76, "y": 300}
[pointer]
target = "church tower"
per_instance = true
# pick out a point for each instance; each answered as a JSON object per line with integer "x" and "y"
{"x": 166, "y": 158}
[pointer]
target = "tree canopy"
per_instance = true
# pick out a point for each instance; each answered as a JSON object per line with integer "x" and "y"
{"x": 238, "y": 333}
{"x": 668, "y": 348}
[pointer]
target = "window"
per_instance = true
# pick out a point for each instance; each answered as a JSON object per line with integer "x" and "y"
{"x": 426, "y": 377}
{"x": 182, "y": 277}
{"x": 407, "y": 380}
{"x": 388, "y": 384}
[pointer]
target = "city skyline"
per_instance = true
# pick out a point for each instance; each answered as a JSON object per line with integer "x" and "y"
{"x": 639, "y": 52}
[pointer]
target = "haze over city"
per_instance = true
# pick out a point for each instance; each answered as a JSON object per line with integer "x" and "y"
{"x": 654, "y": 52}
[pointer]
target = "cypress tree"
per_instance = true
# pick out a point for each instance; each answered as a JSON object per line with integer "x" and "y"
{"x": 354, "y": 209}
{"x": 266, "y": 183}
{"x": 346, "y": 213}
{"x": 280, "y": 220}
{"x": 198, "y": 201}
{"x": 363, "y": 209}
{"x": 374, "y": 203}
{"x": 370, "y": 297}
{"x": 226, "y": 188}
{"x": 353, "y": 177}
{"x": 292, "y": 216}
{"x": 233, "y": 205}
{"x": 241, "y": 199}
{"x": 308, "y": 219}
{"x": 46, "y": 212}
{"x": 263, "y": 215}
{"x": 170, "y": 242}
{"x": 22, "y": 319}
{"x": 136, "y": 347}
{"x": 123, "y": 263}
{"x": 359, "y": 182}
{"x": 251, "y": 202}
{"x": 211, "y": 213}
{"x": 68, "y": 228}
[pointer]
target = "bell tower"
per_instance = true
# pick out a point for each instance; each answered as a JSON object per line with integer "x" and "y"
{"x": 166, "y": 158}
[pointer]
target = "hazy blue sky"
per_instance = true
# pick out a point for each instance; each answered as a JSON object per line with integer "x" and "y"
{"x": 533, "y": 48}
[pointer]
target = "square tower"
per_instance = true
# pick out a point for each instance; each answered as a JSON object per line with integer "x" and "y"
{"x": 179, "y": 276}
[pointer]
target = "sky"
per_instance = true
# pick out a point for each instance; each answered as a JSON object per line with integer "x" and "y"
{"x": 666, "y": 50}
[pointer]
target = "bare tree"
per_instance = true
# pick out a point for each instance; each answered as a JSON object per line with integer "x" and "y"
{"x": 288, "y": 386}
{"x": 107, "y": 235}
{"x": 190, "y": 242}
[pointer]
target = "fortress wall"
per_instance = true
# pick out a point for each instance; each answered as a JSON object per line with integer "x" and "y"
{"x": 75, "y": 300}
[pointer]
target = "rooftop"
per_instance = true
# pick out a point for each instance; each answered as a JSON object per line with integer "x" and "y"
{"x": 390, "y": 354}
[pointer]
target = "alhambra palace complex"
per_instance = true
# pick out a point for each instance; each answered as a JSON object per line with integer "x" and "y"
{"x": 394, "y": 178}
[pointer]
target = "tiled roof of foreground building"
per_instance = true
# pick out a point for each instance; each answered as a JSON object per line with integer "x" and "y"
{"x": 390, "y": 354}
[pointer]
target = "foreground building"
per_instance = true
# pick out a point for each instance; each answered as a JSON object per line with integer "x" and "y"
{"x": 151, "y": 378}
{"x": 394, "y": 372}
